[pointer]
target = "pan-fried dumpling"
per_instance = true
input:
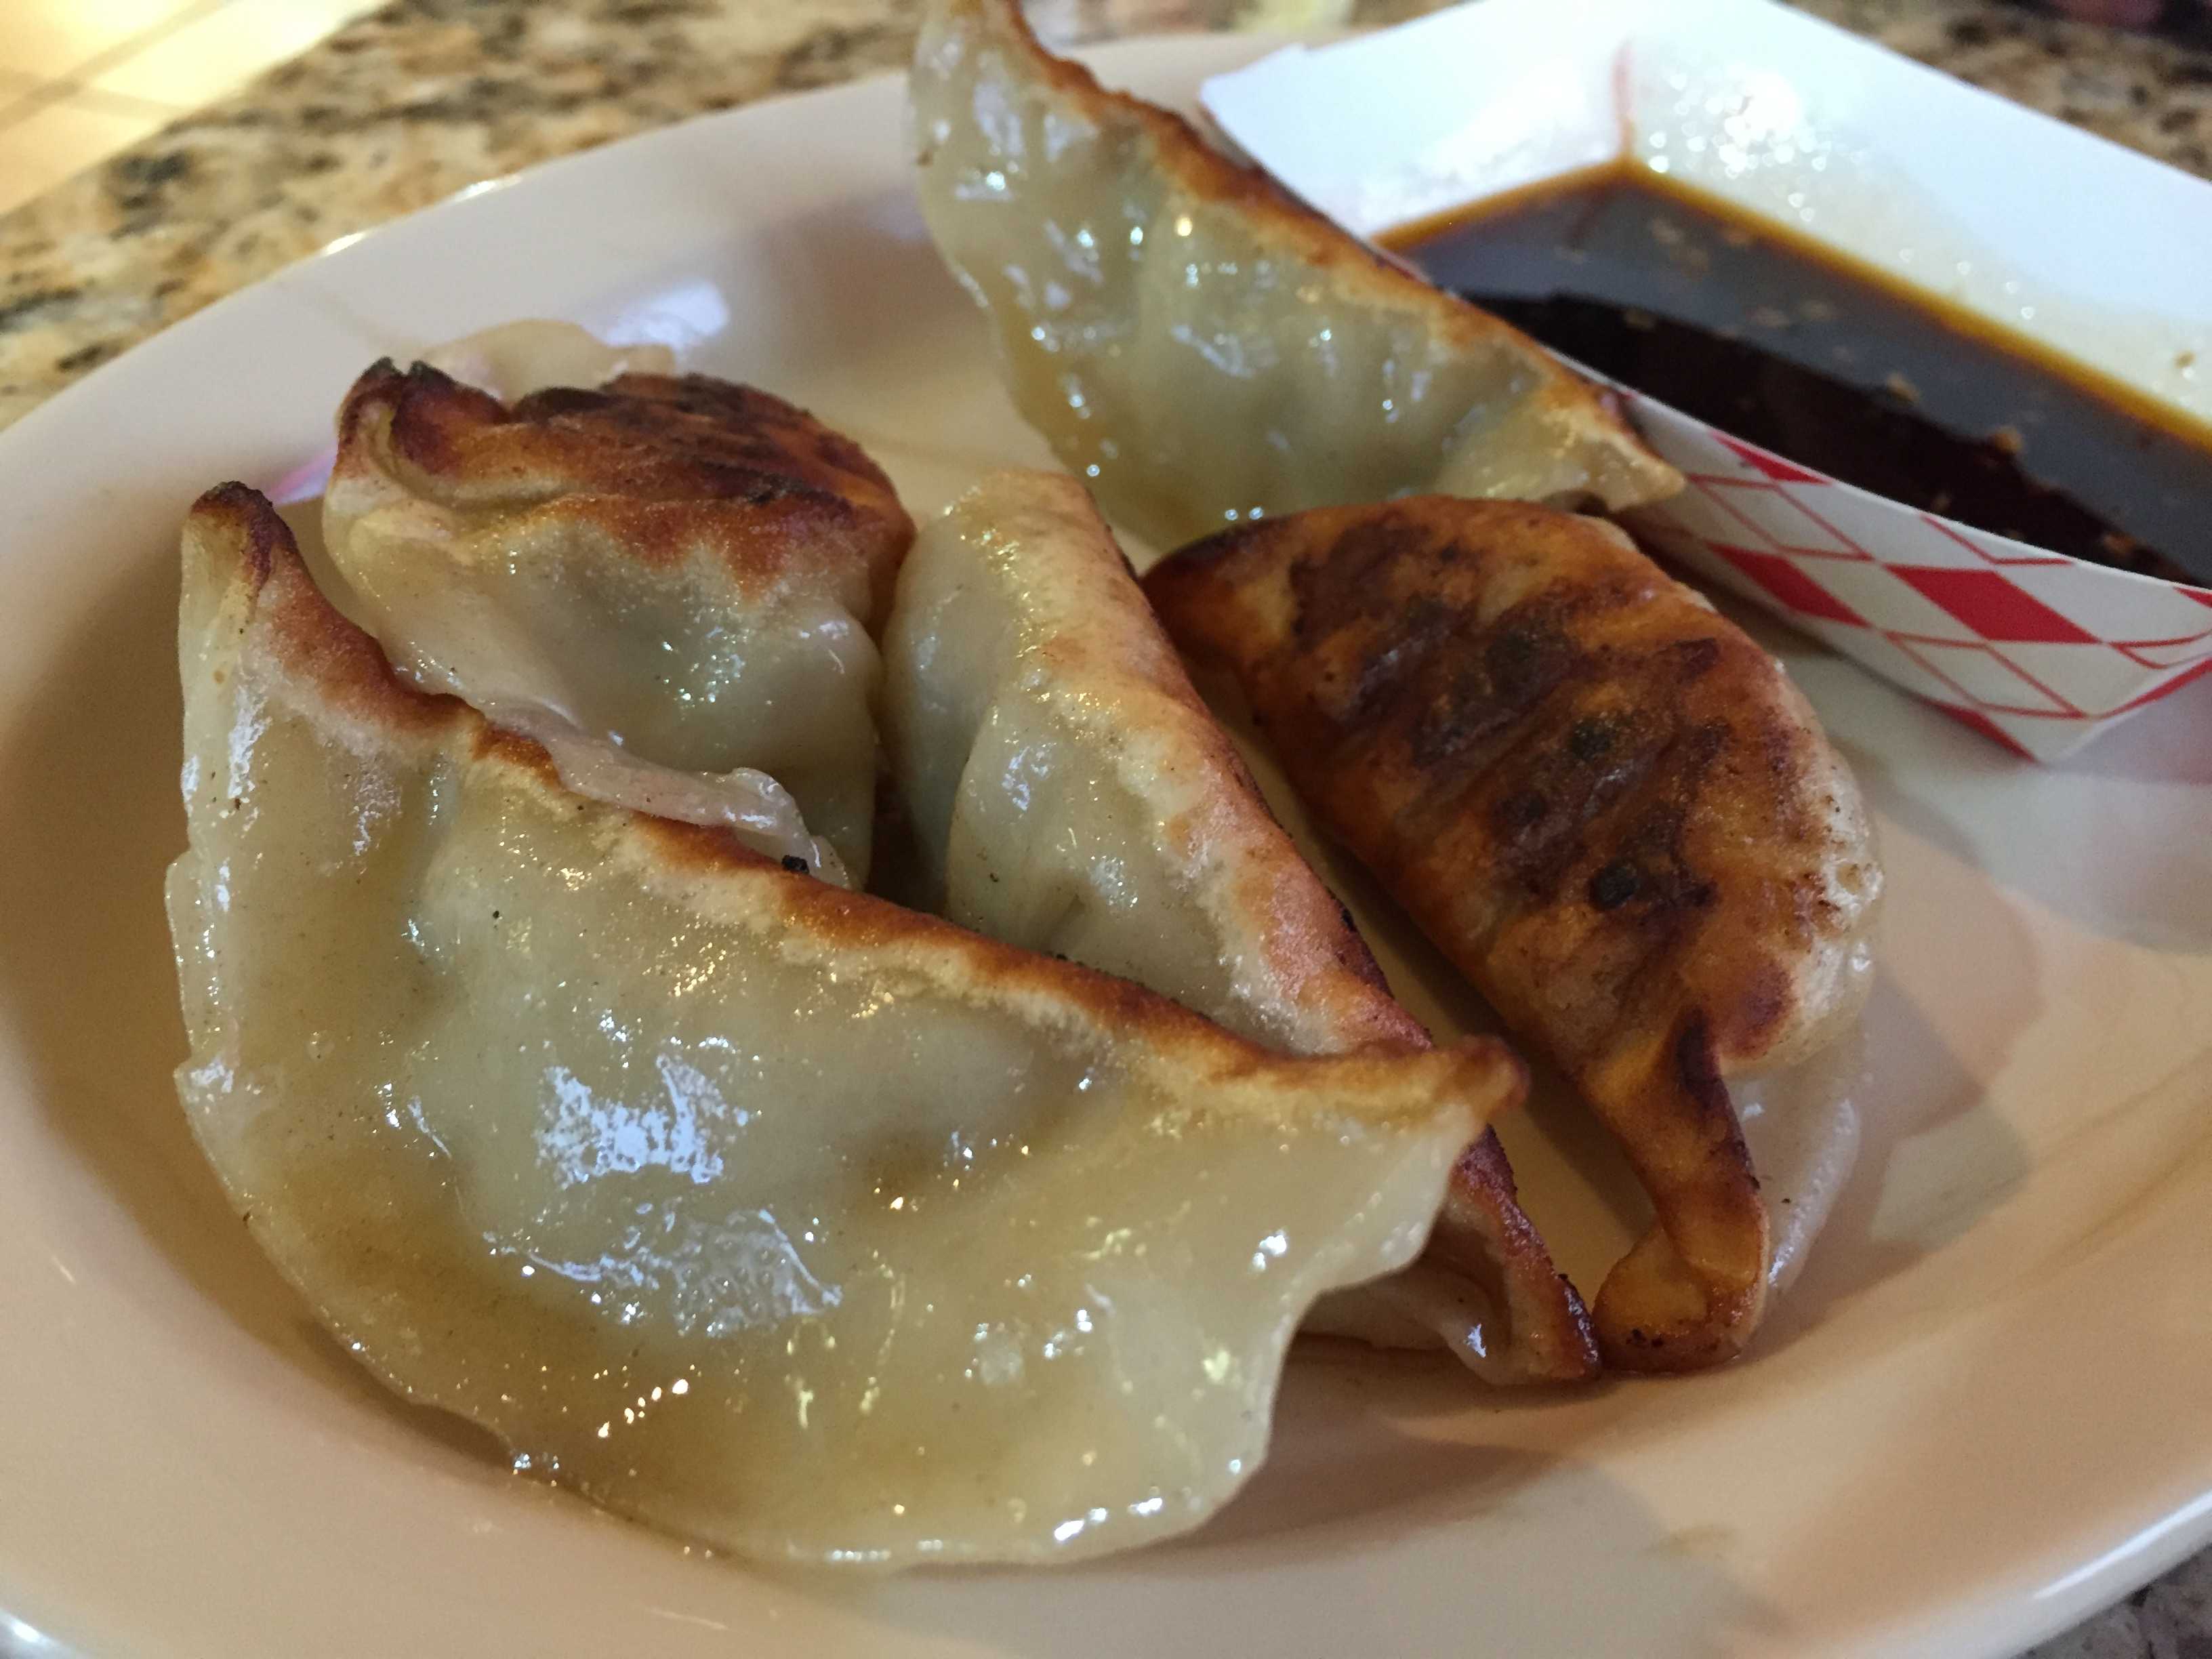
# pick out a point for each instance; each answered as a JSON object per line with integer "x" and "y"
{"x": 1070, "y": 793}
{"x": 1602, "y": 801}
{"x": 1199, "y": 346}
{"x": 801, "y": 1224}
{"x": 666, "y": 580}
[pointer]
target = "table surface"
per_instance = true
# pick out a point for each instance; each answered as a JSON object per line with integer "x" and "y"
{"x": 411, "y": 103}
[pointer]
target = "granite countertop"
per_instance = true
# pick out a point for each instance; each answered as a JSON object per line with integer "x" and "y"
{"x": 411, "y": 103}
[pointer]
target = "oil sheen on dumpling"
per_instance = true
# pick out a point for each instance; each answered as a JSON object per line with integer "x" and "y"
{"x": 798, "y": 1222}
{"x": 1201, "y": 346}
{"x": 1070, "y": 793}
{"x": 671, "y": 582}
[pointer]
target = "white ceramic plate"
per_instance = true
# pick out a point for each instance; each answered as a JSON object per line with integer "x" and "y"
{"x": 1985, "y": 1408}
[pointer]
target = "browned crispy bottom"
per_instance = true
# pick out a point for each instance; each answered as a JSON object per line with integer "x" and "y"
{"x": 661, "y": 463}
{"x": 1603, "y": 802}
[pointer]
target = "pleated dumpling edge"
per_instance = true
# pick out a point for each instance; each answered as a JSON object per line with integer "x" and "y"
{"x": 1196, "y": 343}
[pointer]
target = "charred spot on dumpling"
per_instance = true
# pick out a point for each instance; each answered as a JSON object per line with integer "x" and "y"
{"x": 1389, "y": 659}
{"x": 1349, "y": 577}
{"x": 1592, "y": 737}
{"x": 1521, "y": 812}
{"x": 1528, "y": 653}
{"x": 1694, "y": 659}
{"x": 1614, "y": 885}
{"x": 1472, "y": 719}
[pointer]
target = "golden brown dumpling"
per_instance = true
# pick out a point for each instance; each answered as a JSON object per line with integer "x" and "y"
{"x": 1604, "y": 803}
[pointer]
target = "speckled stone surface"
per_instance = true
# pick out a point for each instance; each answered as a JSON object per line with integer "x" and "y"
{"x": 412, "y": 103}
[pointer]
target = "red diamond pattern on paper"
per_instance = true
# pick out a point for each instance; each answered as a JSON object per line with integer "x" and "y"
{"x": 1885, "y": 657}
{"x": 1783, "y": 579}
{"x": 2033, "y": 650}
{"x": 1705, "y": 514}
{"x": 2127, "y": 609}
{"x": 1781, "y": 518}
{"x": 2098, "y": 680}
{"x": 1766, "y": 462}
{"x": 2186, "y": 676}
{"x": 1918, "y": 539}
{"x": 1983, "y": 679}
{"x": 2165, "y": 653}
{"x": 1988, "y": 727}
{"x": 1881, "y": 594}
{"x": 1993, "y": 607}
{"x": 1997, "y": 550}
{"x": 1689, "y": 444}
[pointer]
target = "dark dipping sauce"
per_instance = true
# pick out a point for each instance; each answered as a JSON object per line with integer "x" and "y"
{"x": 1776, "y": 341}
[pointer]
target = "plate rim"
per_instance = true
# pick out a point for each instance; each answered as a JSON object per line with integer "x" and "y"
{"x": 2126, "y": 1565}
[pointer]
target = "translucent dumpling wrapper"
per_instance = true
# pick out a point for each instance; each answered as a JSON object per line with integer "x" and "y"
{"x": 1070, "y": 793}
{"x": 1202, "y": 347}
{"x": 673, "y": 583}
{"x": 796, "y": 1222}
{"x": 512, "y": 359}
